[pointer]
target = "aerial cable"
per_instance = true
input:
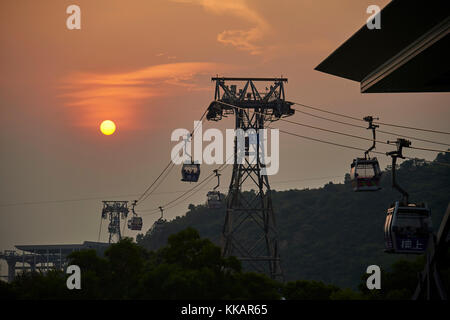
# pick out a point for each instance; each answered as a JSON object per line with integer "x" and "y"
{"x": 166, "y": 205}
{"x": 332, "y": 131}
{"x": 426, "y": 149}
{"x": 168, "y": 167}
{"x": 61, "y": 201}
{"x": 328, "y": 119}
{"x": 356, "y": 148}
{"x": 159, "y": 183}
{"x": 336, "y": 132}
{"x": 379, "y": 131}
{"x": 273, "y": 182}
{"x": 413, "y": 128}
{"x": 327, "y": 142}
{"x": 206, "y": 179}
{"x": 382, "y": 123}
{"x": 327, "y": 111}
{"x": 141, "y": 197}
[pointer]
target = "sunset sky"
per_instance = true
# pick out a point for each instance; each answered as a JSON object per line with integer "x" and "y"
{"x": 147, "y": 65}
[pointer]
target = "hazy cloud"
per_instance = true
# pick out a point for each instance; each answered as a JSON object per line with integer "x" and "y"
{"x": 242, "y": 39}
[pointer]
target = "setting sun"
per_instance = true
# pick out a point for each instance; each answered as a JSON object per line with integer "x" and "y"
{"x": 108, "y": 127}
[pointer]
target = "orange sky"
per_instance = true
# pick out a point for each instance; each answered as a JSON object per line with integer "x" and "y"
{"x": 147, "y": 64}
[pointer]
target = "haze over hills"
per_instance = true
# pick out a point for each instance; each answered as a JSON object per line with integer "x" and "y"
{"x": 331, "y": 234}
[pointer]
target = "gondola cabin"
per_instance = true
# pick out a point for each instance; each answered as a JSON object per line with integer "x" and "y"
{"x": 135, "y": 223}
{"x": 214, "y": 199}
{"x": 190, "y": 172}
{"x": 407, "y": 228}
{"x": 365, "y": 174}
{"x": 158, "y": 225}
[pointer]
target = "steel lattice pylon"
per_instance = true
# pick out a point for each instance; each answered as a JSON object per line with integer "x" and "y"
{"x": 114, "y": 210}
{"x": 249, "y": 231}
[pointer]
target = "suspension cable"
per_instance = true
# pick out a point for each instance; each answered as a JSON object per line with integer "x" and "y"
{"x": 383, "y": 123}
{"x": 169, "y": 166}
{"x": 378, "y": 131}
{"x": 294, "y": 122}
{"x": 327, "y": 111}
{"x": 412, "y": 128}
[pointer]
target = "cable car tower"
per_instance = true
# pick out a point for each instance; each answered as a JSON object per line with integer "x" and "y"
{"x": 114, "y": 210}
{"x": 249, "y": 230}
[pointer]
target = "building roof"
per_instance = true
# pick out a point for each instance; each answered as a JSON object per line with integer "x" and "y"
{"x": 408, "y": 54}
{"x": 64, "y": 248}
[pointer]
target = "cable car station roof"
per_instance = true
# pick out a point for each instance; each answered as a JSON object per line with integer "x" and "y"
{"x": 410, "y": 53}
{"x": 64, "y": 248}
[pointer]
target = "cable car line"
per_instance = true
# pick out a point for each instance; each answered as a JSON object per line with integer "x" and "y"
{"x": 356, "y": 148}
{"x": 327, "y": 111}
{"x": 336, "y": 132}
{"x": 170, "y": 164}
{"x": 61, "y": 201}
{"x": 169, "y": 168}
{"x": 332, "y": 131}
{"x": 162, "y": 172}
{"x": 382, "y": 123}
{"x": 166, "y": 205}
{"x": 379, "y": 131}
{"x": 426, "y": 149}
{"x": 328, "y": 119}
{"x": 413, "y": 128}
{"x": 208, "y": 178}
{"x": 327, "y": 142}
{"x": 80, "y": 199}
{"x": 413, "y": 138}
{"x": 225, "y": 188}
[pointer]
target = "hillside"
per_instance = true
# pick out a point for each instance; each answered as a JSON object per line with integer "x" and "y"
{"x": 329, "y": 234}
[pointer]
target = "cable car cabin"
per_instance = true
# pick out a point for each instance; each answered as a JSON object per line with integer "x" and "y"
{"x": 157, "y": 225}
{"x": 407, "y": 228}
{"x": 190, "y": 172}
{"x": 214, "y": 199}
{"x": 365, "y": 174}
{"x": 135, "y": 223}
{"x": 160, "y": 222}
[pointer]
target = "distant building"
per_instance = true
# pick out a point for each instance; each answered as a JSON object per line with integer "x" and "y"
{"x": 45, "y": 257}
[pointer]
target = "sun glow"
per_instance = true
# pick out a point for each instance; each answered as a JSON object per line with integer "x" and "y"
{"x": 108, "y": 127}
